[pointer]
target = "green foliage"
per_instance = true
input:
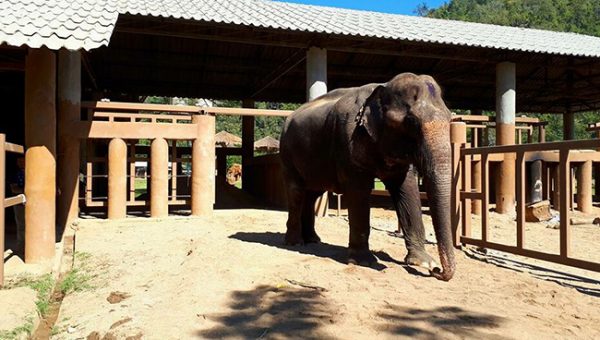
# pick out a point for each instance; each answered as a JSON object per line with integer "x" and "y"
{"x": 43, "y": 286}
{"x": 579, "y": 16}
{"x": 18, "y": 332}
{"x": 78, "y": 278}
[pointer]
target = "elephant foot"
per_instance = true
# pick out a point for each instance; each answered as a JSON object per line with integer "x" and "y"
{"x": 313, "y": 238}
{"x": 421, "y": 259}
{"x": 293, "y": 239}
{"x": 361, "y": 257}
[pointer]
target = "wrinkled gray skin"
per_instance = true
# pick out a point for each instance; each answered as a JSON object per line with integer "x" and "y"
{"x": 403, "y": 126}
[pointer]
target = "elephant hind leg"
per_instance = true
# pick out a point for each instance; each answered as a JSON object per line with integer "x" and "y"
{"x": 296, "y": 193}
{"x": 308, "y": 217}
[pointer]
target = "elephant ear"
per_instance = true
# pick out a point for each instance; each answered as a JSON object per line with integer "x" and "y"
{"x": 370, "y": 115}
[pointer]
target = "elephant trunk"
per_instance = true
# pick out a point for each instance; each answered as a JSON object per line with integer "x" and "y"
{"x": 436, "y": 168}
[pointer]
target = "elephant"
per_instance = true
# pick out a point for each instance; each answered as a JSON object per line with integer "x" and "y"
{"x": 346, "y": 138}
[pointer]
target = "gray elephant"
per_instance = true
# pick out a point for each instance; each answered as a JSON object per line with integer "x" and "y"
{"x": 346, "y": 138}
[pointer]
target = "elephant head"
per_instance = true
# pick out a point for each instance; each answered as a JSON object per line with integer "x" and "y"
{"x": 408, "y": 122}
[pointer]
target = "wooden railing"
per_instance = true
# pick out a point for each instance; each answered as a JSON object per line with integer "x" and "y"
{"x": 7, "y": 201}
{"x": 480, "y": 126}
{"x": 464, "y": 194}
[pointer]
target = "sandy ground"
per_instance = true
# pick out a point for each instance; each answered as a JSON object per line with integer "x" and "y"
{"x": 231, "y": 277}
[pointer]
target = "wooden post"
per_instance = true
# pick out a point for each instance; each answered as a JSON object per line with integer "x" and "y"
{"x": 40, "y": 157}
{"x": 568, "y": 125}
{"x": 69, "y": 106}
{"x": 584, "y": 187}
{"x": 476, "y": 182}
{"x": 466, "y": 205}
{"x": 458, "y": 137}
{"x": 2, "y": 209}
{"x": 203, "y": 166}
{"x": 159, "y": 181}
{"x": 565, "y": 185}
{"x": 520, "y": 198}
{"x": 247, "y": 149}
{"x": 117, "y": 179}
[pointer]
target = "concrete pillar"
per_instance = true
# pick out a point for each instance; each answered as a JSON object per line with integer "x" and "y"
{"x": 568, "y": 125}
{"x": 316, "y": 72}
{"x": 247, "y": 147}
{"x": 584, "y": 187}
{"x": 117, "y": 179}
{"x": 505, "y": 134}
{"x": 535, "y": 192}
{"x": 203, "y": 166}
{"x": 69, "y": 106}
{"x": 316, "y": 86}
{"x": 40, "y": 156}
{"x": 159, "y": 180}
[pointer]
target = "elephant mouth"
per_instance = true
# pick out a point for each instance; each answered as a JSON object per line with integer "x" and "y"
{"x": 395, "y": 161}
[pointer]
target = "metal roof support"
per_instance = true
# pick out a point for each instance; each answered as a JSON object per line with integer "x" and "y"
{"x": 505, "y": 134}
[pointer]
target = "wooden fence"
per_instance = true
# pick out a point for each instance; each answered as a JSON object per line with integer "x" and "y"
{"x": 7, "y": 201}
{"x": 563, "y": 152}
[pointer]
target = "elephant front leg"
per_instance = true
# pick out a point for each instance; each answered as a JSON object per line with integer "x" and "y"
{"x": 358, "y": 214}
{"x": 407, "y": 202}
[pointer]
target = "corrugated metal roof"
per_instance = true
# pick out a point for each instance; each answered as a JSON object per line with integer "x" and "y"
{"x": 71, "y": 24}
{"x": 89, "y": 23}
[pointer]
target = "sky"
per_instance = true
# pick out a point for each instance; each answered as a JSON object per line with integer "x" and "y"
{"x": 386, "y": 6}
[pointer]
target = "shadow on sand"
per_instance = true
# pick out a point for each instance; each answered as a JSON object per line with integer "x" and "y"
{"x": 561, "y": 278}
{"x": 437, "y": 323}
{"x": 324, "y": 250}
{"x": 270, "y": 312}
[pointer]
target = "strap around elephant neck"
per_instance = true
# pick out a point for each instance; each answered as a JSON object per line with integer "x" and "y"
{"x": 360, "y": 116}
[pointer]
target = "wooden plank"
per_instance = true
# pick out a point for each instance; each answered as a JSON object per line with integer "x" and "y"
{"x": 565, "y": 198}
{"x": 470, "y": 195}
{"x": 140, "y": 107}
{"x": 466, "y": 203}
{"x": 128, "y": 130}
{"x": 173, "y": 171}
{"x": 15, "y": 200}
{"x": 485, "y": 209}
{"x": 587, "y": 265}
{"x": 183, "y": 109}
{"x": 88, "y": 183}
{"x": 578, "y": 144}
{"x": 520, "y": 197}
{"x": 15, "y": 148}
{"x": 234, "y": 111}
{"x": 492, "y": 119}
{"x": 131, "y": 159}
{"x": 133, "y": 117}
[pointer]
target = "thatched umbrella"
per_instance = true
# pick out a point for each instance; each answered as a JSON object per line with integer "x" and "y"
{"x": 268, "y": 144}
{"x": 226, "y": 139}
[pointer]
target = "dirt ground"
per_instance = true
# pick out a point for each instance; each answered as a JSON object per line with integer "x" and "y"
{"x": 231, "y": 277}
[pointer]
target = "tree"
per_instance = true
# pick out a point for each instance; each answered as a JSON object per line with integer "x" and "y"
{"x": 579, "y": 16}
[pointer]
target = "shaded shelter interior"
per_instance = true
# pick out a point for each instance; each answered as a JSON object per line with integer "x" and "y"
{"x": 154, "y": 56}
